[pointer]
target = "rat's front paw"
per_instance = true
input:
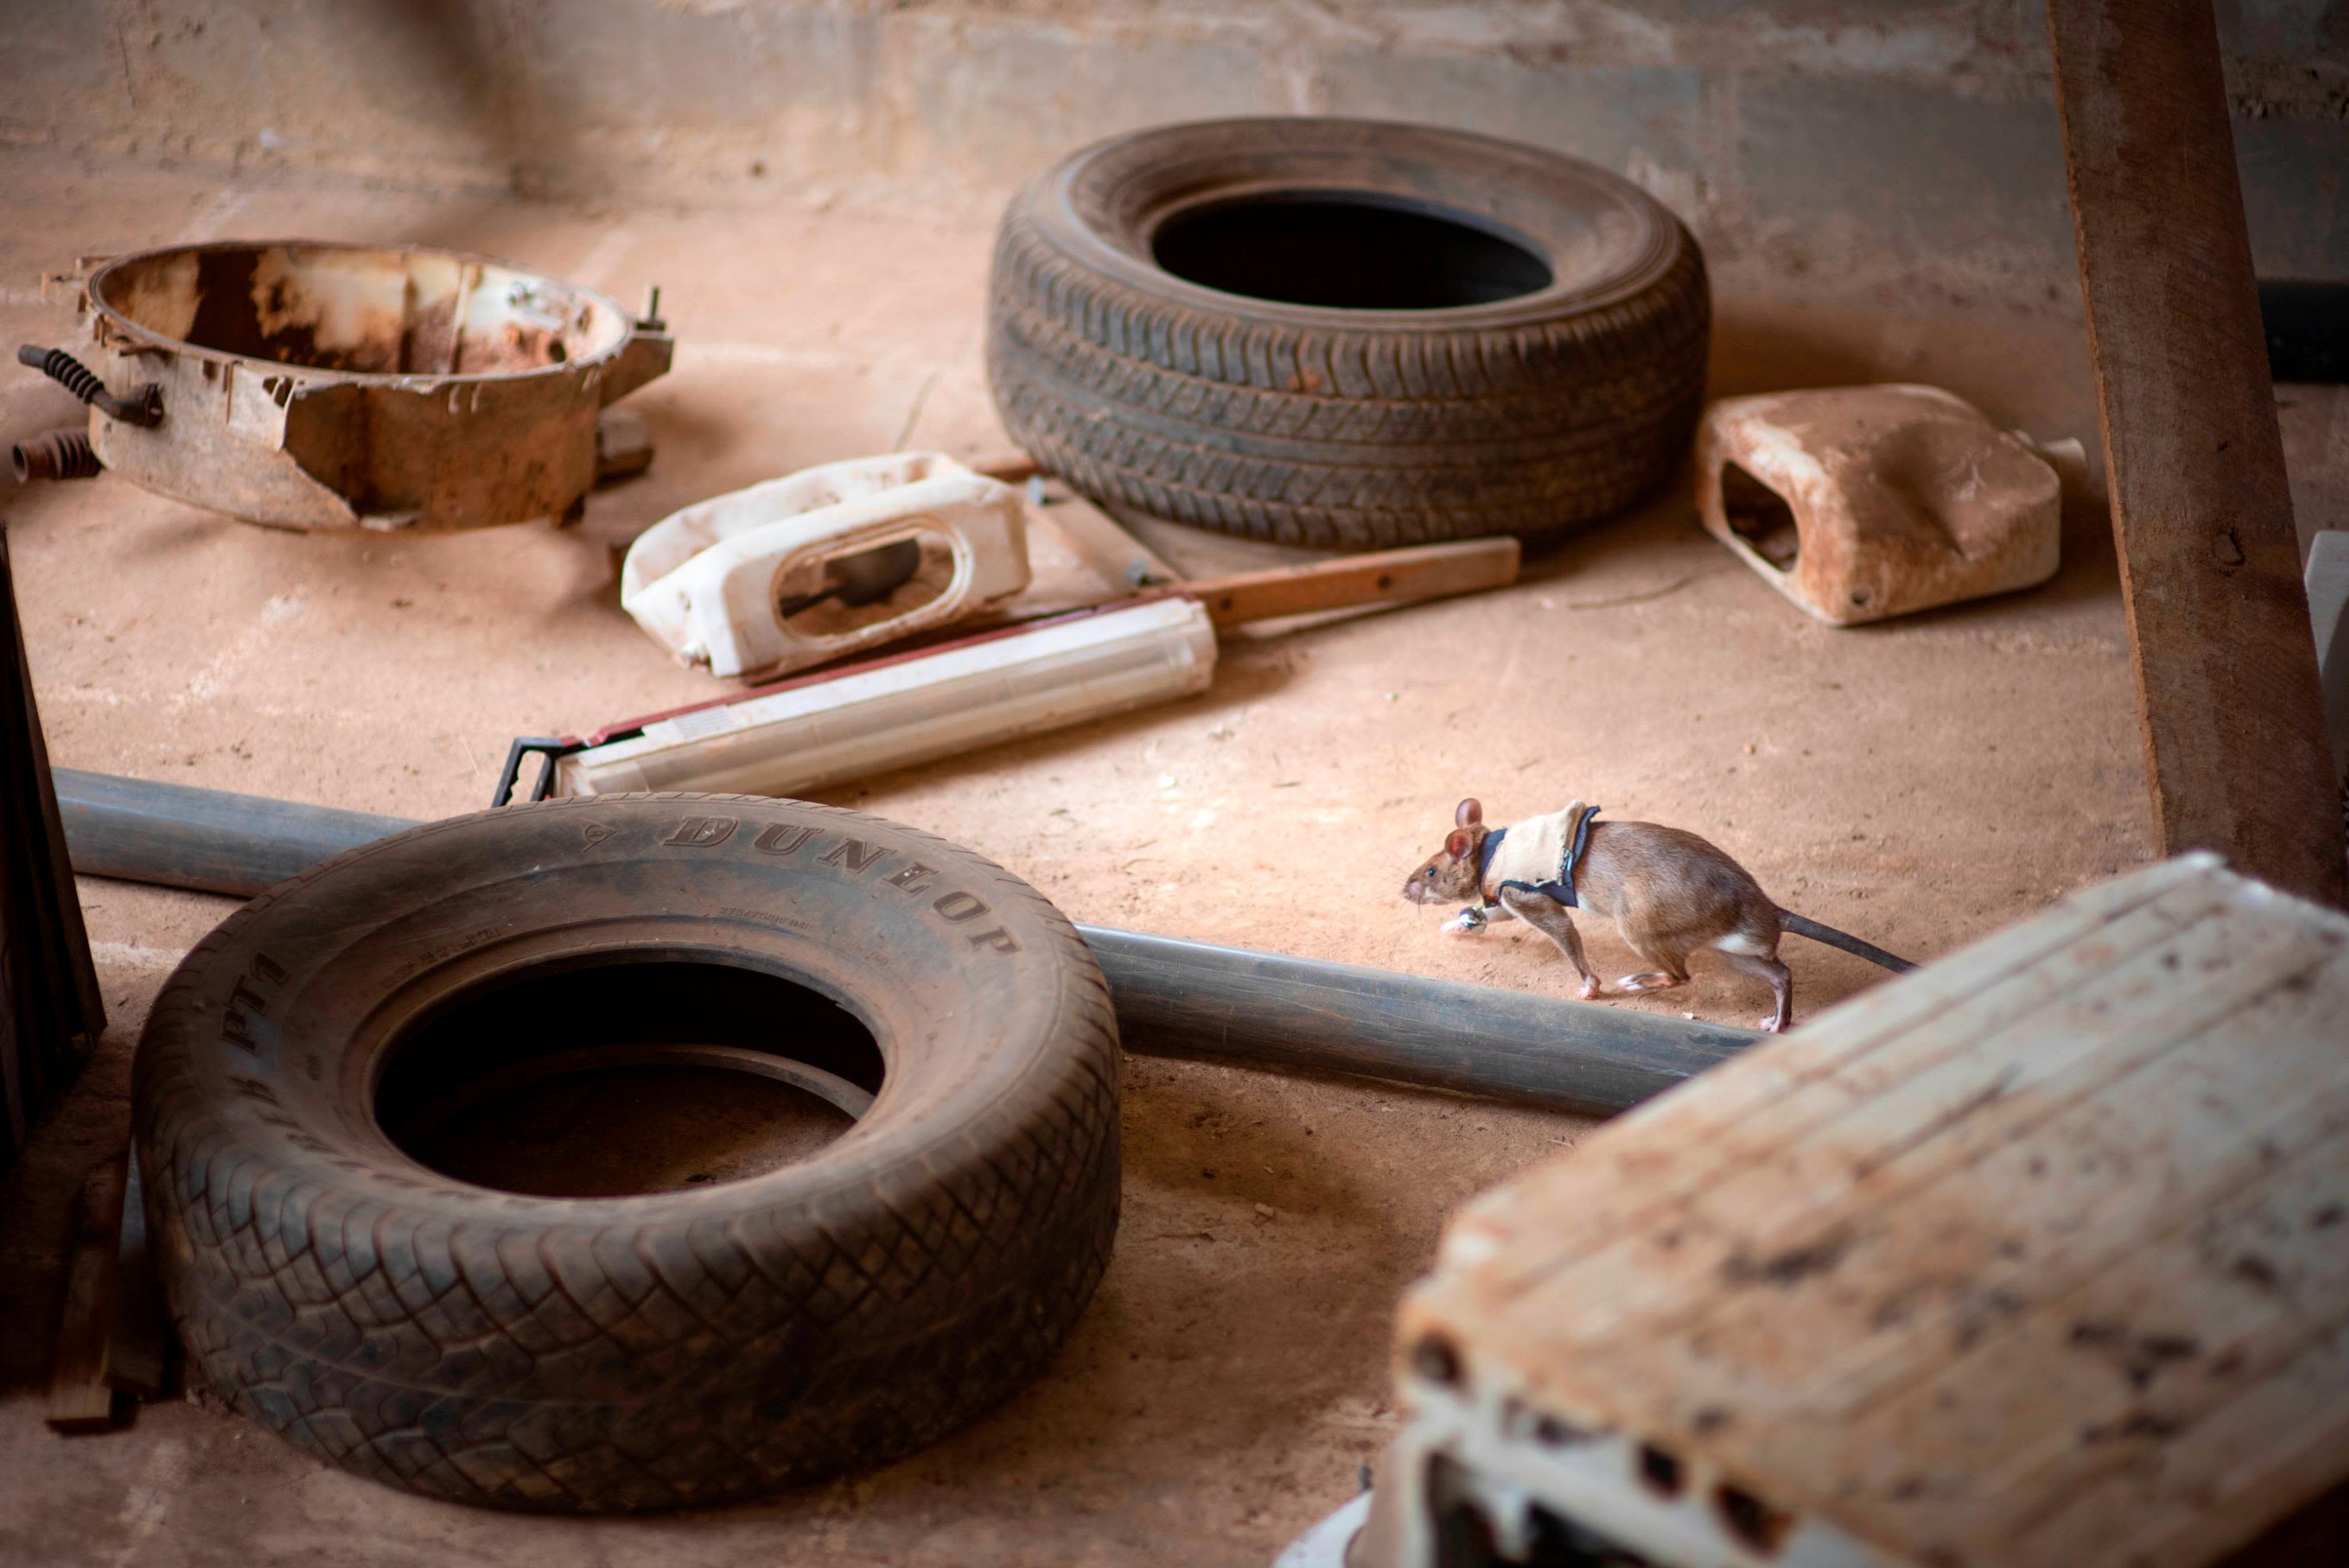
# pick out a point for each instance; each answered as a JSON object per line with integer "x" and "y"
{"x": 1467, "y": 923}
{"x": 1588, "y": 990}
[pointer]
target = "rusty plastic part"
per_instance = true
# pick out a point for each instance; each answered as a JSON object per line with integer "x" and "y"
{"x": 144, "y": 406}
{"x": 62, "y": 453}
{"x": 1863, "y": 503}
{"x": 828, "y": 561}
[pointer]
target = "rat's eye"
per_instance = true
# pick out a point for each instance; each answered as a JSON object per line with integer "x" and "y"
{"x": 1431, "y": 873}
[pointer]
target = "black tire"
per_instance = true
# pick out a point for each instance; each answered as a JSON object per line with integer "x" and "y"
{"x": 1479, "y": 403}
{"x": 680, "y": 1348}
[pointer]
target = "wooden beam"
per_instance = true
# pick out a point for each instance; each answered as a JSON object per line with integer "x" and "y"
{"x": 2225, "y": 670}
{"x": 1383, "y": 576}
{"x": 80, "y": 1398}
{"x": 139, "y": 1348}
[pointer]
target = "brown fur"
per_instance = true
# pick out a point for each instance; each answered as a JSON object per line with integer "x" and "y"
{"x": 1668, "y": 891}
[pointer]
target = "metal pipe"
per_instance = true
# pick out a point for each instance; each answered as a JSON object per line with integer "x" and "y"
{"x": 207, "y": 839}
{"x": 1176, "y": 998}
{"x": 1173, "y": 997}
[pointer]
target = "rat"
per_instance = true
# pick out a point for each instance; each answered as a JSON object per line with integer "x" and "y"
{"x": 1669, "y": 892}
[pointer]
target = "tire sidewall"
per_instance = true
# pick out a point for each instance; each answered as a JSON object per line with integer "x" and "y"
{"x": 302, "y": 1249}
{"x": 1067, "y": 206}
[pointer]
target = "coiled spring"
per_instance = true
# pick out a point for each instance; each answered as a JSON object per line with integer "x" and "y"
{"x": 54, "y": 455}
{"x": 67, "y": 372}
{"x": 144, "y": 406}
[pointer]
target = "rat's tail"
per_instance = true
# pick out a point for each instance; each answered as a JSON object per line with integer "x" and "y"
{"x": 1790, "y": 921}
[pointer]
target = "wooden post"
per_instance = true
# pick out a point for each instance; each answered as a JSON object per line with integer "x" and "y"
{"x": 2226, "y": 668}
{"x": 80, "y": 1398}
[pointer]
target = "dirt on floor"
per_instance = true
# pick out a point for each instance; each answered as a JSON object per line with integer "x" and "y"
{"x": 1920, "y": 782}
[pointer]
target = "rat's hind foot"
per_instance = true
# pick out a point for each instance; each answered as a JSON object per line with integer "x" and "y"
{"x": 1589, "y": 990}
{"x": 1769, "y": 1025}
{"x": 1654, "y": 979}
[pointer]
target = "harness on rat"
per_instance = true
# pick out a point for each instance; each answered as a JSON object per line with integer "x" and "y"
{"x": 1560, "y": 888}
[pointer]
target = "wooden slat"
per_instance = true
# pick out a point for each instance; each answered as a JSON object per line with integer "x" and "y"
{"x": 80, "y": 1400}
{"x": 1384, "y": 577}
{"x": 2278, "y": 1302}
{"x": 1810, "y": 1182}
{"x": 1690, "y": 1144}
{"x": 2275, "y": 1449}
{"x": 2037, "y": 1259}
{"x": 1011, "y": 466}
{"x": 2226, "y": 675}
{"x": 48, "y": 983}
{"x": 139, "y": 1346}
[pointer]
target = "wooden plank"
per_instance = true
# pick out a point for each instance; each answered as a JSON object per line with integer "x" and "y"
{"x": 2274, "y": 1451}
{"x": 2216, "y": 1348}
{"x": 2236, "y": 754}
{"x": 1385, "y": 576}
{"x": 51, "y": 988}
{"x": 2113, "y": 1377}
{"x": 79, "y": 1397}
{"x": 2036, "y": 1261}
{"x": 1808, "y": 1182}
{"x": 141, "y": 1343}
{"x": 1695, "y": 1145}
{"x": 1011, "y": 466}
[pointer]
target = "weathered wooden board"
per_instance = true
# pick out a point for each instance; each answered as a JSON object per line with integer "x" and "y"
{"x": 2038, "y": 1256}
{"x": 2236, "y": 753}
{"x": 80, "y": 1398}
{"x": 140, "y": 1344}
{"x": 1414, "y": 572}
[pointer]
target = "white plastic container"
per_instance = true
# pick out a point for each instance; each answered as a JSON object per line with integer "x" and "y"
{"x": 749, "y": 583}
{"x": 927, "y": 706}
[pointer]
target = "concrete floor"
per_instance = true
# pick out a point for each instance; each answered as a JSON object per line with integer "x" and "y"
{"x": 1921, "y": 784}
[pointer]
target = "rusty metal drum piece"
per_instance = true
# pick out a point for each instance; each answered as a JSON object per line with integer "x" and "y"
{"x": 319, "y": 387}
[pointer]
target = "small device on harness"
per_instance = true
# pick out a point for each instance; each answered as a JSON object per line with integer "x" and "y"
{"x": 1560, "y": 888}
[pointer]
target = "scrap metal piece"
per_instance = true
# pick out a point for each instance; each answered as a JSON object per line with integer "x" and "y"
{"x": 1863, "y": 503}
{"x": 624, "y": 445}
{"x": 805, "y": 569}
{"x": 142, "y": 405}
{"x": 54, "y": 455}
{"x": 316, "y": 386}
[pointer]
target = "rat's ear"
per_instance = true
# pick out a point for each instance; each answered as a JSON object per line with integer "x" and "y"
{"x": 1470, "y": 813}
{"x": 1457, "y": 843}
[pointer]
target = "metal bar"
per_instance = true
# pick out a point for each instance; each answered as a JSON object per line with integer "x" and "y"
{"x": 1177, "y": 998}
{"x": 206, "y": 839}
{"x": 1173, "y": 997}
